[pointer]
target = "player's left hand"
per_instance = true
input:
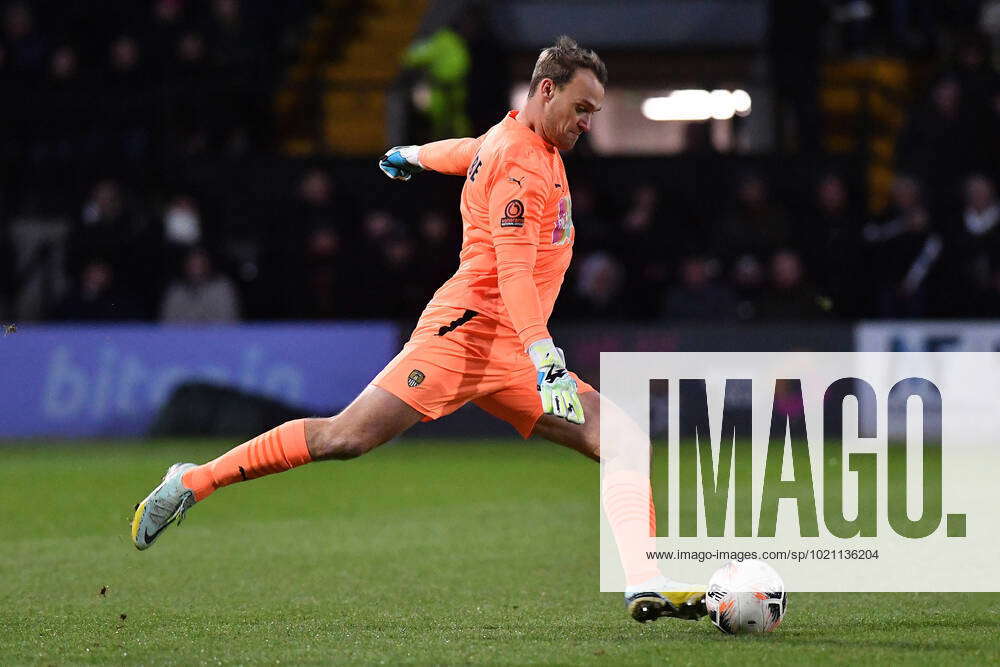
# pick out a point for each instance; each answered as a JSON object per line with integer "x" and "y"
{"x": 401, "y": 162}
{"x": 556, "y": 387}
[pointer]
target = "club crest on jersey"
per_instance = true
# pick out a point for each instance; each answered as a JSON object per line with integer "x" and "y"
{"x": 415, "y": 378}
{"x": 513, "y": 215}
{"x": 563, "y": 229}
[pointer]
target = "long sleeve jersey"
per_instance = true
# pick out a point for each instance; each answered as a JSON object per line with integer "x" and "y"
{"x": 517, "y": 225}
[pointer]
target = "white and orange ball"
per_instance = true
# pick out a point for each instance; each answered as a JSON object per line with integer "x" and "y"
{"x": 746, "y": 597}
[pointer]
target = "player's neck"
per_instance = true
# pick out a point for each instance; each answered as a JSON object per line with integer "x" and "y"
{"x": 531, "y": 117}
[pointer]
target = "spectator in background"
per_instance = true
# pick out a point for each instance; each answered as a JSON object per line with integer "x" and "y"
{"x": 642, "y": 242}
{"x": 980, "y": 86}
{"x": 63, "y": 65}
{"x": 600, "y": 233}
{"x": 942, "y": 140}
{"x": 237, "y": 107}
{"x": 182, "y": 230}
{"x": 597, "y": 289}
{"x": 755, "y": 224}
{"x": 438, "y": 242}
{"x": 167, "y": 26}
{"x": 24, "y": 48}
{"x": 378, "y": 226}
{"x": 699, "y": 296}
{"x": 201, "y": 296}
{"x": 789, "y": 296}
{"x": 232, "y": 44}
{"x": 905, "y": 250}
{"x": 194, "y": 116}
{"x": 61, "y": 115}
{"x": 393, "y": 289}
{"x": 294, "y": 257}
{"x": 975, "y": 74}
{"x": 367, "y": 263}
{"x": 834, "y": 246}
{"x": 989, "y": 22}
{"x": 975, "y": 256}
{"x": 126, "y": 118}
{"x": 124, "y": 60}
{"x": 318, "y": 203}
{"x": 97, "y": 297}
{"x": 104, "y": 228}
{"x": 747, "y": 278}
{"x": 126, "y": 73}
{"x": 982, "y": 210}
{"x": 323, "y": 280}
{"x": 182, "y": 222}
{"x": 191, "y": 56}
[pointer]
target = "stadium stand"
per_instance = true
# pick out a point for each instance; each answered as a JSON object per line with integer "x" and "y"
{"x": 136, "y": 133}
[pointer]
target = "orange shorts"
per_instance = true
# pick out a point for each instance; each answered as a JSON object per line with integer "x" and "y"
{"x": 455, "y": 356}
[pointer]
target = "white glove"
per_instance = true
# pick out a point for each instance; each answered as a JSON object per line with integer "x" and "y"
{"x": 401, "y": 162}
{"x": 556, "y": 386}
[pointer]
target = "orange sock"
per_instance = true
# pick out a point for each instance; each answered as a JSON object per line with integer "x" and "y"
{"x": 652, "y": 512}
{"x": 633, "y": 527}
{"x": 279, "y": 449}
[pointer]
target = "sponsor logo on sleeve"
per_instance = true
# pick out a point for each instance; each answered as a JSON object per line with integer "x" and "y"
{"x": 513, "y": 215}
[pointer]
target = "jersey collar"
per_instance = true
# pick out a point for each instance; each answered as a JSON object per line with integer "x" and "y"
{"x": 510, "y": 122}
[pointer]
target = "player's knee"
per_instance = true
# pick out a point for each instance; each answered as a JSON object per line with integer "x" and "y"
{"x": 339, "y": 440}
{"x": 348, "y": 448}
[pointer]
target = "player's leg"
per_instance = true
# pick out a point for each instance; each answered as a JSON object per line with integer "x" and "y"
{"x": 374, "y": 417}
{"x": 626, "y": 494}
{"x": 584, "y": 438}
{"x": 628, "y": 504}
{"x": 432, "y": 375}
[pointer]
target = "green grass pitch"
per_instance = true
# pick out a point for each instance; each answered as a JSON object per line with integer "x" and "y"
{"x": 421, "y": 552}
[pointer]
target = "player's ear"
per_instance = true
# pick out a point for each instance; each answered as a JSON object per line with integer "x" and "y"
{"x": 548, "y": 88}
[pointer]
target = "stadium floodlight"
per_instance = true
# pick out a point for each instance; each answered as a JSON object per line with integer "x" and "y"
{"x": 697, "y": 104}
{"x": 741, "y": 102}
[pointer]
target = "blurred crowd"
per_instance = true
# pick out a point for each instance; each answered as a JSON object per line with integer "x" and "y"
{"x": 808, "y": 257}
{"x": 144, "y": 142}
{"x": 121, "y": 84}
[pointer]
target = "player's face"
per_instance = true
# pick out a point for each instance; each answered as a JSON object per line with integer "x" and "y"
{"x": 570, "y": 110}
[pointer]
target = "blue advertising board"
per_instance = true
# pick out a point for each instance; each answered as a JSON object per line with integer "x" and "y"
{"x": 86, "y": 381}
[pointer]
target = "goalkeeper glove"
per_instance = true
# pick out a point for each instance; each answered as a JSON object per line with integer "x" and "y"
{"x": 556, "y": 386}
{"x": 401, "y": 162}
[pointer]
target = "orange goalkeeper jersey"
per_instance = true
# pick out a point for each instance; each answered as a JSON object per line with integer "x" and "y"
{"x": 517, "y": 226}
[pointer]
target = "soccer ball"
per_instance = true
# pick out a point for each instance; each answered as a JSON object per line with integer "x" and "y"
{"x": 746, "y": 596}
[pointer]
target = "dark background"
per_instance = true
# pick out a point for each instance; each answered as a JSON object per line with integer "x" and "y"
{"x": 209, "y": 161}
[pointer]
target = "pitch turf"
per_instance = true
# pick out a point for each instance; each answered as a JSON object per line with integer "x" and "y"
{"x": 426, "y": 552}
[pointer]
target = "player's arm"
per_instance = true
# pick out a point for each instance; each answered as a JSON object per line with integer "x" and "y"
{"x": 449, "y": 156}
{"x": 517, "y": 200}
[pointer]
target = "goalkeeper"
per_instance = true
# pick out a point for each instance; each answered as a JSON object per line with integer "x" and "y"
{"x": 483, "y": 336}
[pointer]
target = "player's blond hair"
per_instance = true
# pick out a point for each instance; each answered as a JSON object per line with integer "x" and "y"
{"x": 560, "y": 62}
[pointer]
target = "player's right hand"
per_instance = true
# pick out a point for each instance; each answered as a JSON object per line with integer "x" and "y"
{"x": 556, "y": 387}
{"x": 401, "y": 162}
